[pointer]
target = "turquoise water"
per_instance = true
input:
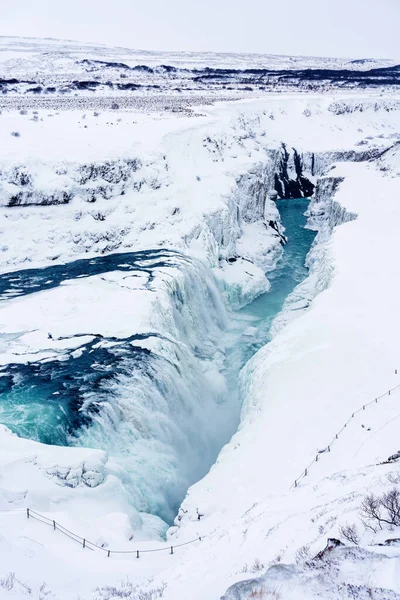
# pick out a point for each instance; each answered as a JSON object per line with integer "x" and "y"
{"x": 164, "y": 423}
{"x": 252, "y": 328}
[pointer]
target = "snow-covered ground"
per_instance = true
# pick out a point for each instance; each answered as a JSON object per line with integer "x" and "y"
{"x": 81, "y": 185}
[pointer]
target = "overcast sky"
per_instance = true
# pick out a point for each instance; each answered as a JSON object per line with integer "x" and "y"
{"x": 345, "y": 28}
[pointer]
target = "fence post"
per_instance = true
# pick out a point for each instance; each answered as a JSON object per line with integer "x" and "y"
{"x": 54, "y": 525}
{"x": 172, "y": 549}
{"x": 337, "y": 435}
{"x": 137, "y": 554}
{"x": 199, "y": 539}
{"x": 108, "y": 554}
{"x": 84, "y": 542}
{"x": 27, "y": 513}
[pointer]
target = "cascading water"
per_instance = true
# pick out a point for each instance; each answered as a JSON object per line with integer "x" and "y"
{"x": 155, "y": 401}
{"x": 161, "y": 403}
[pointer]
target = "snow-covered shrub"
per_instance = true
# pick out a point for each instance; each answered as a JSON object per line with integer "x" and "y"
{"x": 248, "y": 124}
{"x": 350, "y": 533}
{"x": 393, "y": 478}
{"x": 216, "y": 146}
{"x": 129, "y": 591}
{"x": 8, "y": 582}
{"x": 257, "y": 566}
{"x": 19, "y": 589}
{"x": 378, "y": 511}
{"x": 303, "y": 554}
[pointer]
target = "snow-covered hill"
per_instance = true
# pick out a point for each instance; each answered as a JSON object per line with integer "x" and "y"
{"x": 46, "y": 69}
{"x": 35, "y": 49}
{"x": 140, "y": 252}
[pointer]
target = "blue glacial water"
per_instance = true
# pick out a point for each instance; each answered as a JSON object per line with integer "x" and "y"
{"x": 163, "y": 417}
{"x": 289, "y": 272}
{"x": 44, "y": 400}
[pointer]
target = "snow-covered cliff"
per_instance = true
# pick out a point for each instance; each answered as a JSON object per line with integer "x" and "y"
{"x": 201, "y": 186}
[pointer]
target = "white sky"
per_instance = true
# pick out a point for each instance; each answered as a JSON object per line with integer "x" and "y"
{"x": 345, "y": 28}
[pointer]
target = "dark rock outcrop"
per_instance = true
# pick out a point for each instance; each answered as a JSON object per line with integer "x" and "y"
{"x": 289, "y": 179}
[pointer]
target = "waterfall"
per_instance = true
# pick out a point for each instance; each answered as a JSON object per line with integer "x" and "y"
{"x": 157, "y": 402}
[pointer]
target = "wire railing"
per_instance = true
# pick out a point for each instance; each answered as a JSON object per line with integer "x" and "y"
{"x": 328, "y": 447}
{"x": 87, "y": 544}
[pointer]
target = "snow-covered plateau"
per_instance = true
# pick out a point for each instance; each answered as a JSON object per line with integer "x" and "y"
{"x": 199, "y": 368}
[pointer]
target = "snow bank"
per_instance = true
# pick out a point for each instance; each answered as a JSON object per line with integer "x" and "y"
{"x": 68, "y": 469}
{"x": 76, "y": 486}
{"x": 340, "y": 573}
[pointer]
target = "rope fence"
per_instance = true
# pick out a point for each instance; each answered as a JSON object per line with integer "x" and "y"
{"x": 328, "y": 447}
{"x": 87, "y": 544}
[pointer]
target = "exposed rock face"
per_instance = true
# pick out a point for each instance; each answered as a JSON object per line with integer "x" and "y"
{"x": 330, "y": 545}
{"x": 294, "y": 171}
{"x": 275, "y": 225}
{"x": 289, "y": 178}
